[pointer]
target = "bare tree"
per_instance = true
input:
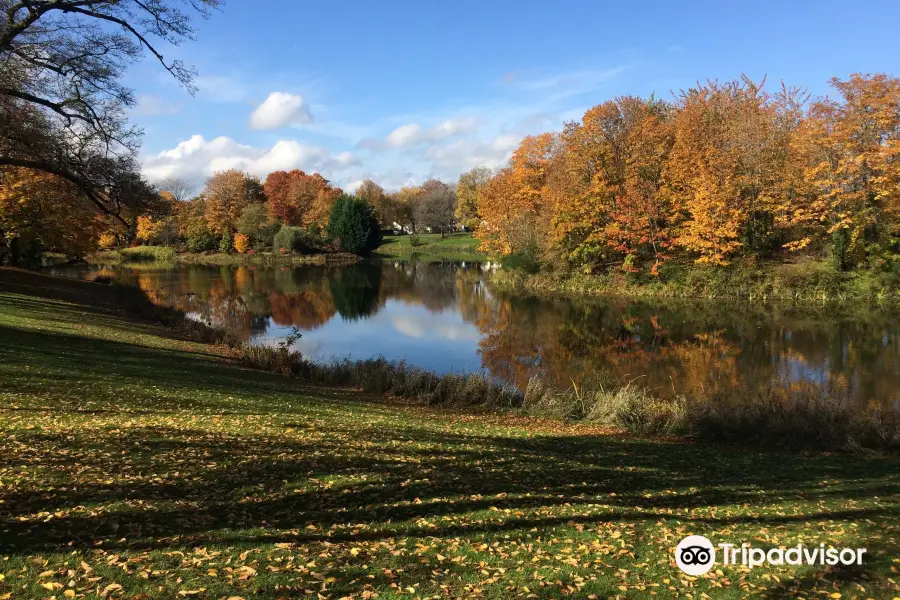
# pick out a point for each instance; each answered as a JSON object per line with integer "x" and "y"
{"x": 62, "y": 100}
{"x": 180, "y": 189}
{"x": 437, "y": 207}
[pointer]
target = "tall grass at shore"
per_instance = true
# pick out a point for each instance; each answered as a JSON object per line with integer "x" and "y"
{"x": 141, "y": 254}
{"x": 380, "y": 376}
{"x": 153, "y": 255}
{"x": 806, "y": 420}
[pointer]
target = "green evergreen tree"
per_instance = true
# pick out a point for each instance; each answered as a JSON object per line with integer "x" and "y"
{"x": 354, "y": 224}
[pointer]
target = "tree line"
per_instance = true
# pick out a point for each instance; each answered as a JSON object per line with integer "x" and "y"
{"x": 289, "y": 210}
{"x": 723, "y": 171}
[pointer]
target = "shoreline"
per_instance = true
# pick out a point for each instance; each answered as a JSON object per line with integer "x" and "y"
{"x": 114, "y": 257}
{"x": 801, "y": 283}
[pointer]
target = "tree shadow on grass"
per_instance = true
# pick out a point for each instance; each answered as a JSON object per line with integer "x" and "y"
{"x": 241, "y": 481}
{"x": 139, "y": 488}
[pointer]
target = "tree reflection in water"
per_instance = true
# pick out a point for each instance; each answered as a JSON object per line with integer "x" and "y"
{"x": 702, "y": 350}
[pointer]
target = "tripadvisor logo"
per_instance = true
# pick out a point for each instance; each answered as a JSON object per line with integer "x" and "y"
{"x": 696, "y": 555}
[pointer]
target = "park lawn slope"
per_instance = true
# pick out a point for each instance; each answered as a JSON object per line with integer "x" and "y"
{"x": 135, "y": 462}
{"x": 453, "y": 246}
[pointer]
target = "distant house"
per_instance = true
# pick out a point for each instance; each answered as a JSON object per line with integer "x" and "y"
{"x": 398, "y": 228}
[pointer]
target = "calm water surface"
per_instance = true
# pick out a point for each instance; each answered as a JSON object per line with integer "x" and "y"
{"x": 444, "y": 318}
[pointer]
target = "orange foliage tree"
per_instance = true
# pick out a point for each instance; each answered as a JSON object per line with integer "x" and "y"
{"x": 296, "y": 198}
{"x": 511, "y": 204}
{"x": 727, "y": 168}
{"x": 849, "y": 153}
{"x": 227, "y": 193}
{"x": 43, "y": 212}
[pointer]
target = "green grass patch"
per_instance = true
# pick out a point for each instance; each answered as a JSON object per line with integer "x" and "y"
{"x": 137, "y": 462}
{"x": 453, "y": 246}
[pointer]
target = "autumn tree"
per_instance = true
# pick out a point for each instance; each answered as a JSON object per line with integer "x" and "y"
{"x": 512, "y": 205}
{"x": 726, "y": 169}
{"x": 193, "y": 227}
{"x": 642, "y": 219}
{"x": 227, "y": 193}
{"x": 149, "y": 229}
{"x": 405, "y": 202}
{"x": 374, "y": 194}
{"x": 850, "y": 158}
{"x": 42, "y": 212}
{"x": 241, "y": 243}
{"x": 587, "y": 173}
{"x": 296, "y": 198}
{"x": 467, "y": 189}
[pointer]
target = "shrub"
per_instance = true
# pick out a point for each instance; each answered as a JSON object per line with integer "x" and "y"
{"x": 201, "y": 240}
{"x": 107, "y": 241}
{"x": 147, "y": 254}
{"x": 225, "y": 244}
{"x": 297, "y": 240}
{"x": 414, "y": 240}
{"x": 355, "y": 223}
{"x": 521, "y": 261}
{"x": 241, "y": 243}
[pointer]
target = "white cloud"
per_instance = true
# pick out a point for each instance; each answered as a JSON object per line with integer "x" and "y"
{"x": 280, "y": 109}
{"x": 464, "y": 154}
{"x": 404, "y": 135}
{"x": 197, "y": 158}
{"x": 412, "y": 134}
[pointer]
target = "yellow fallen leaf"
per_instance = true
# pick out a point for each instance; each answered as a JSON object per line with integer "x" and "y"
{"x": 47, "y": 574}
{"x": 835, "y": 595}
{"x": 69, "y": 593}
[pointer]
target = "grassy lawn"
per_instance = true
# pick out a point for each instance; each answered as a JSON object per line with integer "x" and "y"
{"x": 460, "y": 245}
{"x": 135, "y": 463}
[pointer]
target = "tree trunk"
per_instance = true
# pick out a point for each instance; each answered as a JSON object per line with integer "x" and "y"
{"x": 14, "y": 252}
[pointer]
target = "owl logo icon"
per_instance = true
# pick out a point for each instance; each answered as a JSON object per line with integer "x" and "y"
{"x": 695, "y": 555}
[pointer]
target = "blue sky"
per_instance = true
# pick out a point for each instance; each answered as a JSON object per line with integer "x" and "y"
{"x": 402, "y": 91}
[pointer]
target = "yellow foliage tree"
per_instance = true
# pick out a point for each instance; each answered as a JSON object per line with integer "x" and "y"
{"x": 511, "y": 204}
{"x": 42, "y": 212}
{"x": 149, "y": 228}
{"x": 241, "y": 243}
{"x": 727, "y": 168}
{"x": 849, "y": 153}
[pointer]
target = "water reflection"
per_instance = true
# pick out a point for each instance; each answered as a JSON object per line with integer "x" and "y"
{"x": 443, "y": 317}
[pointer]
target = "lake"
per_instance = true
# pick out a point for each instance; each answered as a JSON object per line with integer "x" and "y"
{"x": 444, "y": 317}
